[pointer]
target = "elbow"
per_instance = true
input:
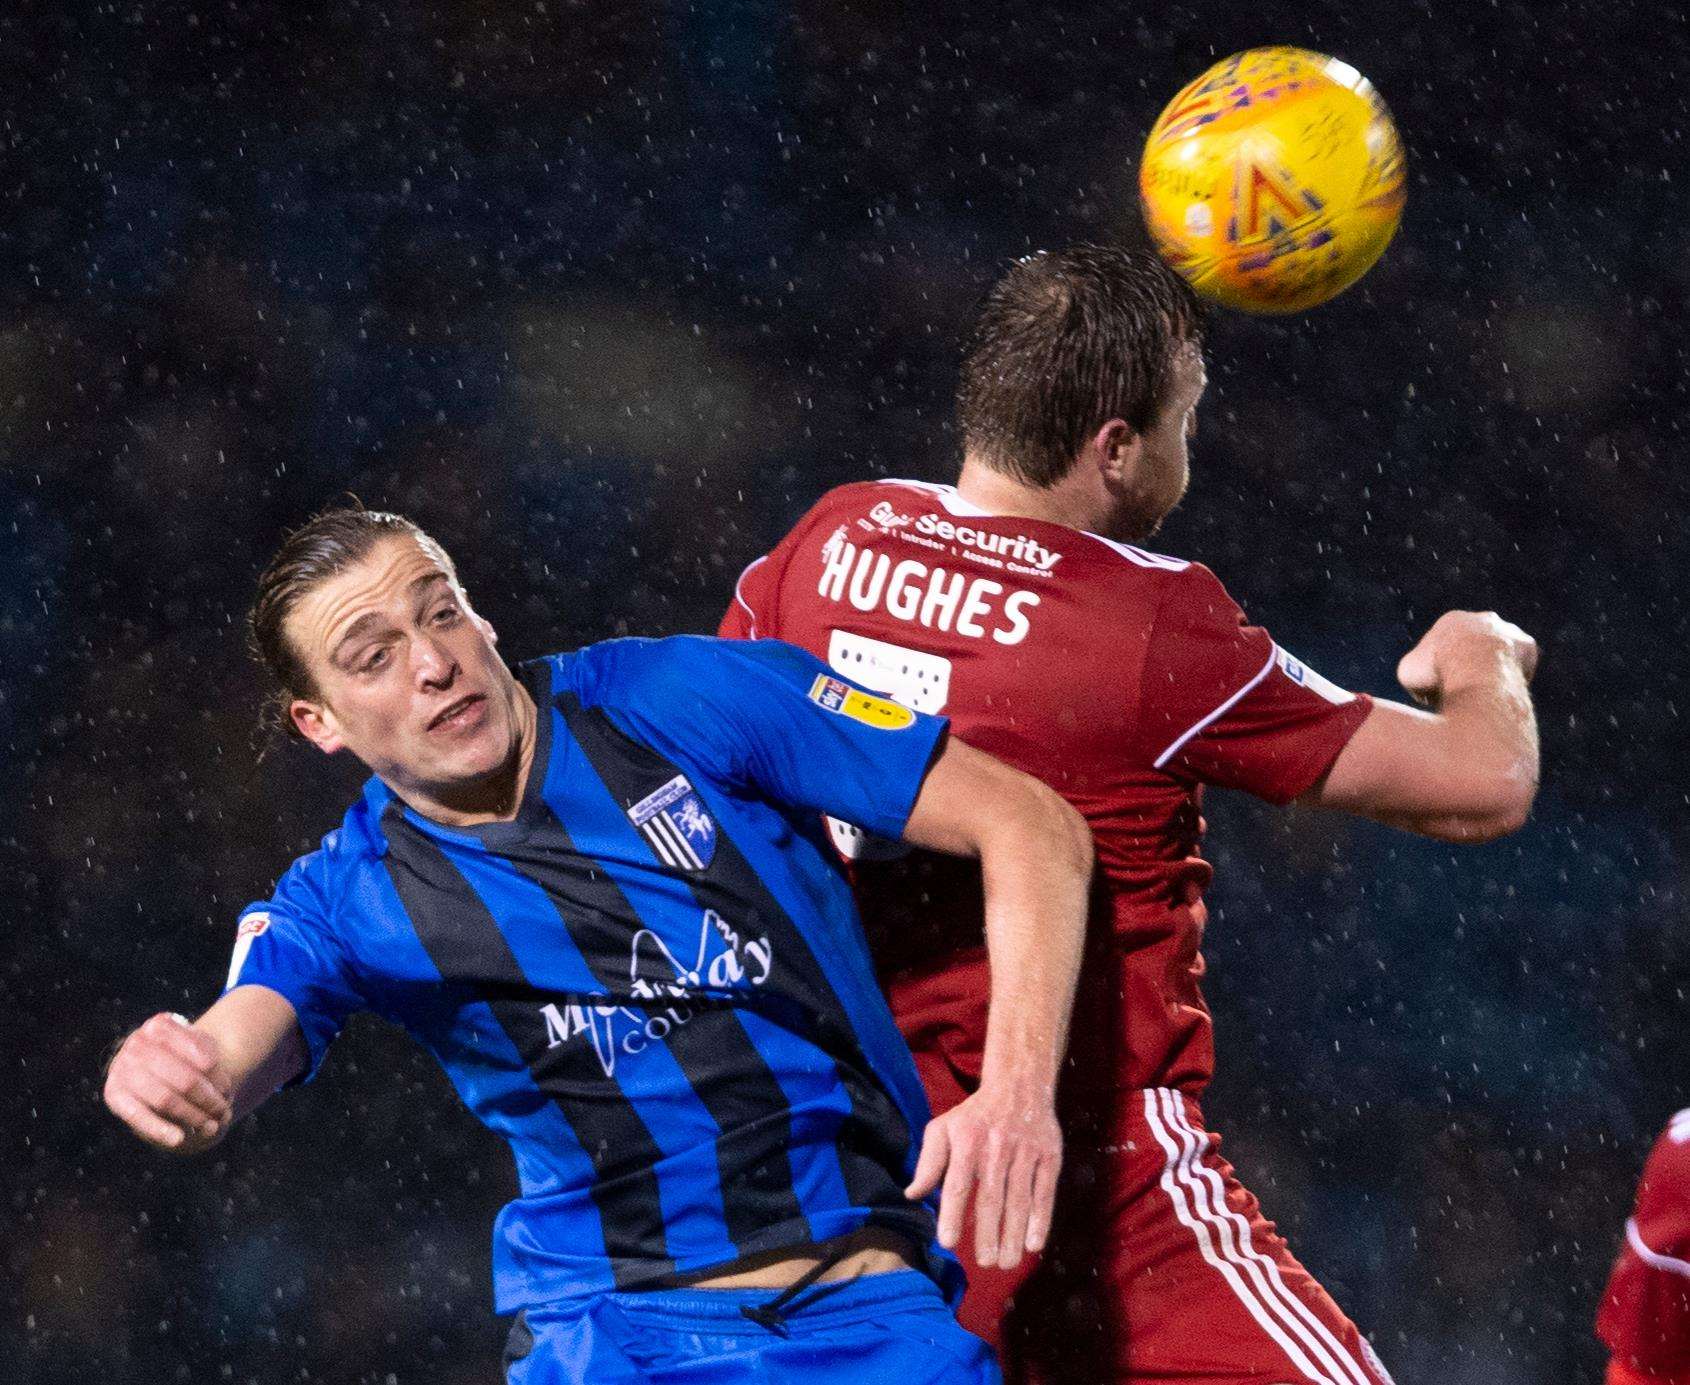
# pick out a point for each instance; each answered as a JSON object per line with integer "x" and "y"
{"x": 1514, "y": 790}
{"x": 1011, "y": 817}
{"x": 1070, "y": 834}
{"x": 1475, "y": 830}
{"x": 1511, "y": 819}
{"x": 1085, "y": 845}
{"x": 1502, "y": 809}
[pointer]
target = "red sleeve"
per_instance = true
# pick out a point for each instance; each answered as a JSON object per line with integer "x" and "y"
{"x": 1221, "y": 703}
{"x": 753, "y": 594}
{"x": 1645, "y": 1314}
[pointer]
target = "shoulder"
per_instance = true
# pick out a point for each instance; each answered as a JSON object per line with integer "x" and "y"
{"x": 883, "y": 488}
{"x": 886, "y": 499}
{"x": 636, "y": 670}
{"x": 859, "y": 499}
{"x": 1659, "y": 1228}
{"x": 1668, "y": 1169}
{"x": 1194, "y": 590}
{"x": 1142, "y": 558}
{"x": 1162, "y": 579}
{"x": 1180, "y": 596}
{"x": 312, "y": 888}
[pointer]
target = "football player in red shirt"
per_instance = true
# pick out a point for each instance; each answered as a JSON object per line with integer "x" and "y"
{"x": 1645, "y": 1315}
{"x": 1017, "y": 602}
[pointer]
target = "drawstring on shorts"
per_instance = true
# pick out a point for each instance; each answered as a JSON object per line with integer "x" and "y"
{"x": 773, "y": 1314}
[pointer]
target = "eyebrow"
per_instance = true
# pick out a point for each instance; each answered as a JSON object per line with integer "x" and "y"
{"x": 373, "y": 618}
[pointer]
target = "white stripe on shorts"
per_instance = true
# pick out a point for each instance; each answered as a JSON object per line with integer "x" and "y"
{"x": 1174, "y": 1183}
{"x": 1198, "y": 1193}
{"x": 1322, "y": 1333}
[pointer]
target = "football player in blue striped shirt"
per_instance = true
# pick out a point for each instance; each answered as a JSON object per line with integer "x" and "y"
{"x": 599, "y": 891}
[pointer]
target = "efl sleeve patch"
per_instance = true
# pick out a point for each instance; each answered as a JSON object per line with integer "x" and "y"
{"x": 251, "y": 927}
{"x": 836, "y": 695}
{"x": 1305, "y": 677}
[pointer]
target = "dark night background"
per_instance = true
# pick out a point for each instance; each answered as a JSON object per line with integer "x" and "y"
{"x": 605, "y": 296}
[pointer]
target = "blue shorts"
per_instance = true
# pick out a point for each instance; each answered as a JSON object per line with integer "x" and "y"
{"x": 893, "y": 1328}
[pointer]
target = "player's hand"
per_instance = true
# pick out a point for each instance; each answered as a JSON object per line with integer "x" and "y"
{"x": 1003, "y": 1149}
{"x": 167, "y": 1085}
{"x": 1463, "y": 644}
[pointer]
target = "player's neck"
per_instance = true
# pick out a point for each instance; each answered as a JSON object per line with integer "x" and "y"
{"x": 1067, "y": 502}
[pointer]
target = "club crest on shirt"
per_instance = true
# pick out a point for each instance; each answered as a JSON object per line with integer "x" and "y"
{"x": 836, "y": 695}
{"x": 673, "y": 820}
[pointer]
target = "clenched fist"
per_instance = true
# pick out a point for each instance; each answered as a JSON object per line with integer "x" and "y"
{"x": 168, "y": 1086}
{"x": 1465, "y": 646}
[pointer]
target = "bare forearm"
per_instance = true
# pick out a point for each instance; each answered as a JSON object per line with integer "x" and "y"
{"x": 1491, "y": 717}
{"x": 1490, "y": 732}
{"x": 1002, "y": 1145}
{"x": 1037, "y": 885}
{"x": 262, "y": 1058}
{"x": 1465, "y": 771}
{"x": 1035, "y": 858}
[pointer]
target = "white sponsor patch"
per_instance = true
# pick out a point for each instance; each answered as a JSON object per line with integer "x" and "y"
{"x": 251, "y": 927}
{"x": 911, "y": 676}
{"x": 1305, "y": 677}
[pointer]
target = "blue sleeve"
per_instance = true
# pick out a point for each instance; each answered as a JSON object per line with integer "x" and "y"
{"x": 286, "y": 944}
{"x": 777, "y": 721}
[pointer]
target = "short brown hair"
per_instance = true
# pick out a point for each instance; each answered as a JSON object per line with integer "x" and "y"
{"x": 1064, "y": 342}
{"x": 324, "y": 546}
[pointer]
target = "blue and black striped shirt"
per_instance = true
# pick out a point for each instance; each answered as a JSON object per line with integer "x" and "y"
{"x": 652, "y": 982}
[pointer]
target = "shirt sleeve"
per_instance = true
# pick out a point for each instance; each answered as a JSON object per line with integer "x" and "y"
{"x": 1221, "y": 703}
{"x": 1644, "y": 1318}
{"x": 777, "y": 721}
{"x": 286, "y": 945}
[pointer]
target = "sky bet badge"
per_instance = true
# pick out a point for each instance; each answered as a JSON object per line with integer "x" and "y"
{"x": 675, "y": 823}
{"x": 839, "y": 696}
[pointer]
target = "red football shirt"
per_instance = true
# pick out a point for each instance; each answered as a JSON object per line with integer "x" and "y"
{"x": 1124, "y": 679}
{"x": 1645, "y": 1313}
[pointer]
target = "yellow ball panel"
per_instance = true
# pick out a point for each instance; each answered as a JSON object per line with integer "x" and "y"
{"x": 1274, "y": 181}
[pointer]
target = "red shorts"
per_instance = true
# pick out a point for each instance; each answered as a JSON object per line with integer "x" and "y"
{"x": 1161, "y": 1266}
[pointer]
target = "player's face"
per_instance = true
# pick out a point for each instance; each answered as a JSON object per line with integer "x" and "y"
{"x": 1164, "y": 468}
{"x": 406, "y": 674}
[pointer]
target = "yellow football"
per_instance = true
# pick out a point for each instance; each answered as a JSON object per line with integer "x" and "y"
{"x": 1273, "y": 181}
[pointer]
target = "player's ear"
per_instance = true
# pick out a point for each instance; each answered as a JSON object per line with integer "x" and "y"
{"x": 1115, "y": 449}
{"x": 317, "y": 724}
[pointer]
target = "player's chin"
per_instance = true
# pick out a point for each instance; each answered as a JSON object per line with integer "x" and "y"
{"x": 476, "y": 759}
{"x": 1153, "y": 522}
{"x": 1137, "y": 528}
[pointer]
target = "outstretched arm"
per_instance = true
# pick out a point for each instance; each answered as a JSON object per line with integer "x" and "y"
{"x": 1467, "y": 769}
{"x": 180, "y": 1086}
{"x": 1003, "y": 1143}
